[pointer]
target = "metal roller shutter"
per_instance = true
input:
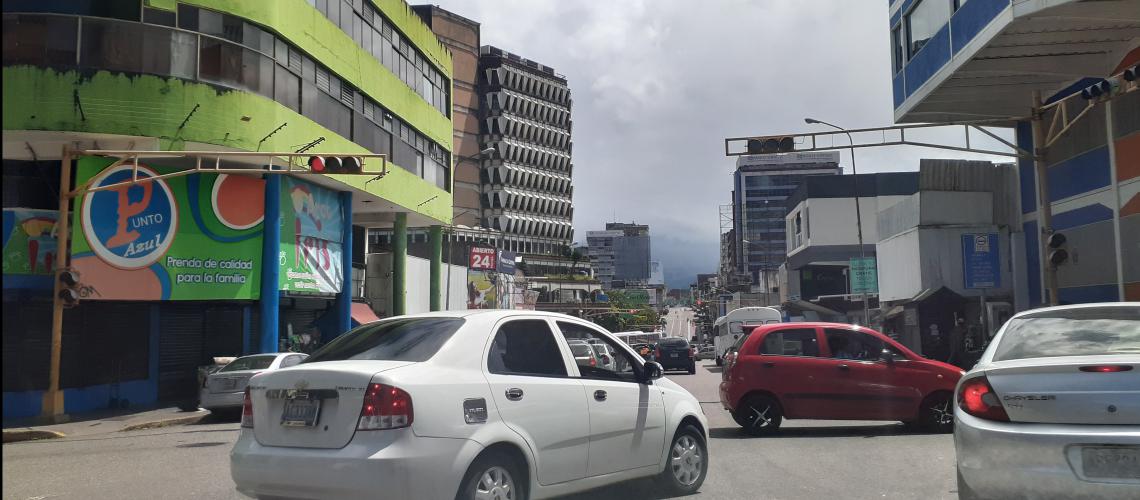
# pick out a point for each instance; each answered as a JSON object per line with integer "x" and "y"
{"x": 179, "y": 350}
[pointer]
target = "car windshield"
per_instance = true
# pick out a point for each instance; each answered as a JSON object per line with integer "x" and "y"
{"x": 1074, "y": 332}
{"x": 249, "y": 363}
{"x": 404, "y": 339}
{"x": 580, "y": 349}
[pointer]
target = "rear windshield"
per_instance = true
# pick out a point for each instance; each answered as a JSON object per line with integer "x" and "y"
{"x": 580, "y": 349}
{"x": 1073, "y": 332}
{"x": 674, "y": 343}
{"x": 249, "y": 363}
{"x": 406, "y": 339}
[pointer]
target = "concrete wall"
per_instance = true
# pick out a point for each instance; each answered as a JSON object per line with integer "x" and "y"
{"x": 831, "y": 221}
{"x": 931, "y": 208}
{"x": 899, "y": 266}
{"x": 934, "y": 257}
{"x": 378, "y": 285}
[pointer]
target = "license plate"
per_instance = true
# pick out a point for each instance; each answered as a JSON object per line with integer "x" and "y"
{"x": 228, "y": 384}
{"x": 1111, "y": 462}
{"x": 673, "y": 355}
{"x": 300, "y": 412}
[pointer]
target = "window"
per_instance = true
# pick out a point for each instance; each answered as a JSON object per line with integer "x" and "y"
{"x": 292, "y": 360}
{"x": 407, "y": 339}
{"x": 287, "y": 88}
{"x": 231, "y": 65}
{"x": 595, "y": 356}
{"x": 1090, "y": 331}
{"x": 250, "y": 363}
{"x": 897, "y": 48}
{"x": 850, "y": 344}
{"x": 792, "y": 342}
{"x": 39, "y": 40}
{"x": 924, "y": 21}
{"x": 526, "y": 347}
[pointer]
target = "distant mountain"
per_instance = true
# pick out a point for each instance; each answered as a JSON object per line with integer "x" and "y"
{"x": 683, "y": 259}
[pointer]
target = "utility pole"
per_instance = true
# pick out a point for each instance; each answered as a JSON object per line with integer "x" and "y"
{"x": 1045, "y": 214}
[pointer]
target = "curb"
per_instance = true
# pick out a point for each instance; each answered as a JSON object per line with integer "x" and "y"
{"x": 15, "y": 436}
{"x": 170, "y": 422}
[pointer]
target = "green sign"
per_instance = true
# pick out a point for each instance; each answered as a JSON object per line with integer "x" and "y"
{"x": 312, "y": 227}
{"x": 637, "y": 296}
{"x": 864, "y": 276}
{"x": 192, "y": 237}
{"x": 29, "y": 241}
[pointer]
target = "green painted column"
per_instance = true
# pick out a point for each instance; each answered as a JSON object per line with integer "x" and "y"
{"x": 399, "y": 264}
{"x": 435, "y": 237}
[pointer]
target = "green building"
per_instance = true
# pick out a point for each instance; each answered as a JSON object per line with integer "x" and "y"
{"x": 243, "y": 263}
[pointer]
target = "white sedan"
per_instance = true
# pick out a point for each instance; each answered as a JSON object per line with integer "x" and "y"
{"x": 467, "y": 405}
{"x": 225, "y": 388}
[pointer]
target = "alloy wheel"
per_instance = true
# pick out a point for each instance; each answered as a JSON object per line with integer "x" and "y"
{"x": 495, "y": 483}
{"x": 686, "y": 460}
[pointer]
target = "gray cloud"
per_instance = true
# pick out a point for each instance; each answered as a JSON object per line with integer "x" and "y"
{"x": 659, "y": 84}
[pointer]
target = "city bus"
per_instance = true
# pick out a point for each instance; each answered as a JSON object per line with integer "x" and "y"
{"x": 638, "y": 337}
{"x": 727, "y": 328}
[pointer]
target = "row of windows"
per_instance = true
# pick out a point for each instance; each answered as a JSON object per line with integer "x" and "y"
{"x": 377, "y": 36}
{"x": 527, "y": 202}
{"x": 921, "y": 23}
{"x": 527, "y": 178}
{"x": 528, "y": 83}
{"x": 527, "y": 130}
{"x": 257, "y": 62}
{"x": 530, "y": 107}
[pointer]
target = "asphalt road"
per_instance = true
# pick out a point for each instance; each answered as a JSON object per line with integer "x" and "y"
{"x": 808, "y": 459}
{"x": 679, "y": 323}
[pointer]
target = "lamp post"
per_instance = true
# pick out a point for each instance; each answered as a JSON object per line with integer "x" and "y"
{"x": 486, "y": 152}
{"x": 858, "y": 215}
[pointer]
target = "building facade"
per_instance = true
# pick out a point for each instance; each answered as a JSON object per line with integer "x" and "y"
{"x": 620, "y": 255}
{"x": 176, "y": 270}
{"x": 461, "y": 37}
{"x": 1030, "y": 65}
{"x": 761, "y": 185}
{"x": 524, "y": 111}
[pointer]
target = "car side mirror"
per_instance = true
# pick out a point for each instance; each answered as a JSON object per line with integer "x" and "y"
{"x": 651, "y": 371}
{"x": 887, "y": 356}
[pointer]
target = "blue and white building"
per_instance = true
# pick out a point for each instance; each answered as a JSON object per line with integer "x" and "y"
{"x": 973, "y": 60}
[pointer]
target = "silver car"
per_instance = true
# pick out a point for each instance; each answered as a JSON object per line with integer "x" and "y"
{"x": 1052, "y": 409}
{"x": 225, "y": 388}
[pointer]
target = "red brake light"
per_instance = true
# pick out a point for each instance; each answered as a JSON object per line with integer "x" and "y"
{"x": 1106, "y": 368}
{"x": 977, "y": 398}
{"x": 385, "y": 407}
{"x": 247, "y": 410}
{"x": 593, "y": 361}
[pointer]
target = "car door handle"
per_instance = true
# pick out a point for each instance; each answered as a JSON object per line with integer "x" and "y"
{"x": 600, "y": 395}
{"x": 769, "y": 364}
{"x": 514, "y": 394}
{"x": 844, "y": 367}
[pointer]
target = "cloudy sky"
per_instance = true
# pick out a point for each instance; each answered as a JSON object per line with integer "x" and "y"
{"x": 659, "y": 84}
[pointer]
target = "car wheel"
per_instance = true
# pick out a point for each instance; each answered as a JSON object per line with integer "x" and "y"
{"x": 759, "y": 415}
{"x": 688, "y": 463}
{"x": 493, "y": 476}
{"x": 937, "y": 413}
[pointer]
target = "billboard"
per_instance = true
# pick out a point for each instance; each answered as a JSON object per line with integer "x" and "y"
{"x": 29, "y": 241}
{"x": 481, "y": 292}
{"x": 482, "y": 258}
{"x": 193, "y": 237}
{"x": 312, "y": 230}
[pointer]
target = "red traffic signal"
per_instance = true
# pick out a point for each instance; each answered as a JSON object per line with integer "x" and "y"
{"x": 335, "y": 165}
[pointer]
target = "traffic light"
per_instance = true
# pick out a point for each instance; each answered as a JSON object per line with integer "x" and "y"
{"x": 769, "y": 145}
{"x": 69, "y": 288}
{"x": 335, "y": 164}
{"x": 1057, "y": 252}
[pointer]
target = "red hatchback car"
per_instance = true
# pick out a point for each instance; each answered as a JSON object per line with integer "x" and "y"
{"x": 833, "y": 371}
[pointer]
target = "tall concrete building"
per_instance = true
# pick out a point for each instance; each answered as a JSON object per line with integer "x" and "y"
{"x": 620, "y": 255}
{"x": 461, "y": 36}
{"x": 761, "y": 184}
{"x": 526, "y": 183}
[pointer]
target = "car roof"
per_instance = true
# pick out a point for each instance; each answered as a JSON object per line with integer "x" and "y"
{"x": 492, "y": 314}
{"x": 1092, "y": 305}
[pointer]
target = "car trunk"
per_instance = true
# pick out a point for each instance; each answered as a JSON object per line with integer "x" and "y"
{"x": 1045, "y": 390}
{"x": 226, "y": 382}
{"x": 339, "y": 386}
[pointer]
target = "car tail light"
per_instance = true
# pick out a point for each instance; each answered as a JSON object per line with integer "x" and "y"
{"x": 658, "y": 353}
{"x": 1106, "y": 368}
{"x": 593, "y": 361}
{"x": 977, "y": 398}
{"x": 385, "y": 407}
{"x": 247, "y": 410}
{"x": 692, "y": 352}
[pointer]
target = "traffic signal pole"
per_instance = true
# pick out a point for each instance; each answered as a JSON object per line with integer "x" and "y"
{"x": 52, "y": 406}
{"x": 1045, "y": 212}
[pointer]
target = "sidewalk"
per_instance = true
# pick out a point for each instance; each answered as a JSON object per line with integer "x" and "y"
{"x": 103, "y": 423}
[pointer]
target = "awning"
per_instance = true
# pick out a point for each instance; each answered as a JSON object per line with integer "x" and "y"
{"x": 894, "y": 311}
{"x": 804, "y": 305}
{"x": 362, "y": 314}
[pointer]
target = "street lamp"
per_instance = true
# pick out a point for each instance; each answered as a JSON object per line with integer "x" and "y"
{"x": 858, "y": 215}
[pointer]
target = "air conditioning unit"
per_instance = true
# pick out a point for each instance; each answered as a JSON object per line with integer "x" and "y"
{"x": 997, "y": 313}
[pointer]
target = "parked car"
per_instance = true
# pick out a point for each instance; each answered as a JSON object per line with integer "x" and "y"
{"x": 675, "y": 354}
{"x": 706, "y": 352}
{"x": 1052, "y": 408}
{"x": 466, "y": 404}
{"x": 224, "y": 389}
{"x": 584, "y": 354}
{"x": 835, "y": 372}
{"x": 604, "y": 353}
